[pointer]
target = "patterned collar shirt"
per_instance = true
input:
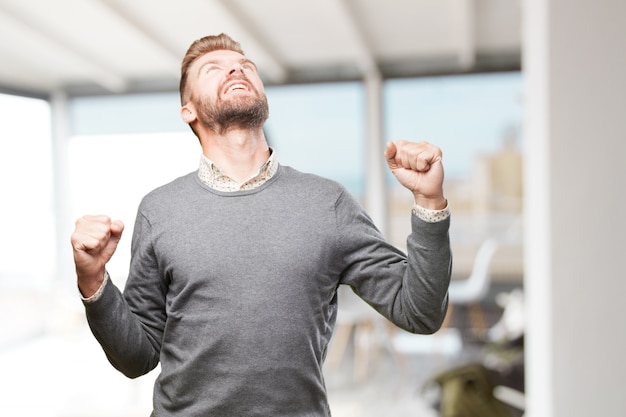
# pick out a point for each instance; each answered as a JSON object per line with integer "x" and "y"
{"x": 212, "y": 176}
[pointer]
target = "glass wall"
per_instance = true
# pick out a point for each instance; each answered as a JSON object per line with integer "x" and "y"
{"x": 26, "y": 189}
{"x": 27, "y": 255}
{"x": 321, "y": 129}
{"x": 476, "y": 120}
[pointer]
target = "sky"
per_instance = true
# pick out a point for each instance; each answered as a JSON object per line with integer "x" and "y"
{"x": 464, "y": 116}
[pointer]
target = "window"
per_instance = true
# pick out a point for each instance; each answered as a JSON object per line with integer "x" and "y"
{"x": 27, "y": 247}
{"x": 476, "y": 120}
{"x": 320, "y": 129}
{"x": 27, "y": 244}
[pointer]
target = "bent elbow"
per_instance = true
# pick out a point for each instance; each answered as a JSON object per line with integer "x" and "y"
{"x": 132, "y": 373}
{"x": 432, "y": 328}
{"x": 134, "y": 369}
{"x": 431, "y": 323}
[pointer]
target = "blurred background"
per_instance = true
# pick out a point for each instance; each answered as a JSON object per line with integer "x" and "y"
{"x": 89, "y": 123}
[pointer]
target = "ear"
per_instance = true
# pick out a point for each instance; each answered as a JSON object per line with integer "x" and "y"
{"x": 188, "y": 113}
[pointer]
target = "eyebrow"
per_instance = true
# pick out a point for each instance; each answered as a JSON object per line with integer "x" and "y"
{"x": 215, "y": 61}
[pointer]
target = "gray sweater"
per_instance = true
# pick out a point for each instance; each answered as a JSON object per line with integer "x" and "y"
{"x": 235, "y": 293}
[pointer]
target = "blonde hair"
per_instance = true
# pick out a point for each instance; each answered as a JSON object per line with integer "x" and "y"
{"x": 199, "y": 48}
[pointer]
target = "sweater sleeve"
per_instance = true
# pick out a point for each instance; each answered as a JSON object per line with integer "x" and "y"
{"x": 129, "y": 326}
{"x": 408, "y": 289}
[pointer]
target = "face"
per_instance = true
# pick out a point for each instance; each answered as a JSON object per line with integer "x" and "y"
{"x": 227, "y": 92}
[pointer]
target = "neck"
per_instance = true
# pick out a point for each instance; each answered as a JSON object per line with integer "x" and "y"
{"x": 238, "y": 153}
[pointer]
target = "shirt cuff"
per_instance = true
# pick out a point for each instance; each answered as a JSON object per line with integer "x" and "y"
{"x": 96, "y": 296}
{"x": 431, "y": 216}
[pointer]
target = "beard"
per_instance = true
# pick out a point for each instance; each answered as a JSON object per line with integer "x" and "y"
{"x": 240, "y": 113}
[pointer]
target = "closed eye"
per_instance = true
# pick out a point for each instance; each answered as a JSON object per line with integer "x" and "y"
{"x": 211, "y": 67}
{"x": 248, "y": 65}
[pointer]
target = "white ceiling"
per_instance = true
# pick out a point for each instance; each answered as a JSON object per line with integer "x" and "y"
{"x": 118, "y": 46}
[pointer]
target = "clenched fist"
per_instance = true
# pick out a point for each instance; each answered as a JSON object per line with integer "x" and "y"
{"x": 418, "y": 167}
{"x": 94, "y": 241}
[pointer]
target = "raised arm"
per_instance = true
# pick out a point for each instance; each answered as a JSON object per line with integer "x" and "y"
{"x": 94, "y": 242}
{"x": 129, "y": 345}
{"x": 418, "y": 167}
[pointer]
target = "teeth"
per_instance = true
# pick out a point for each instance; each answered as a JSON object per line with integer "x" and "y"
{"x": 236, "y": 87}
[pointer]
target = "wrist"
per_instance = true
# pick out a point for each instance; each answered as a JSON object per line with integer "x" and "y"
{"x": 89, "y": 286}
{"x": 437, "y": 203}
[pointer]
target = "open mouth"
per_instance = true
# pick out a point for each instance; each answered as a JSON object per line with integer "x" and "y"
{"x": 237, "y": 87}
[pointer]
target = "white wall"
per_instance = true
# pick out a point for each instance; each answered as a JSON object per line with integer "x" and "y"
{"x": 575, "y": 69}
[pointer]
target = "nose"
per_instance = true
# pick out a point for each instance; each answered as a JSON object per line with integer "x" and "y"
{"x": 236, "y": 67}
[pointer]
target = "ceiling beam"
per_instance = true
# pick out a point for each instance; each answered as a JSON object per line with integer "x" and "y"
{"x": 273, "y": 68}
{"x": 171, "y": 53}
{"x": 467, "y": 34}
{"x": 365, "y": 59}
{"x": 100, "y": 73}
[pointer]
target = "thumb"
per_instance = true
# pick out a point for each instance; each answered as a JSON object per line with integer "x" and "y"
{"x": 390, "y": 154}
{"x": 116, "y": 228}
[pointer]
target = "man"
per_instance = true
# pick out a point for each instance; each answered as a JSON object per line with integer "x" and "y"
{"x": 235, "y": 267}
